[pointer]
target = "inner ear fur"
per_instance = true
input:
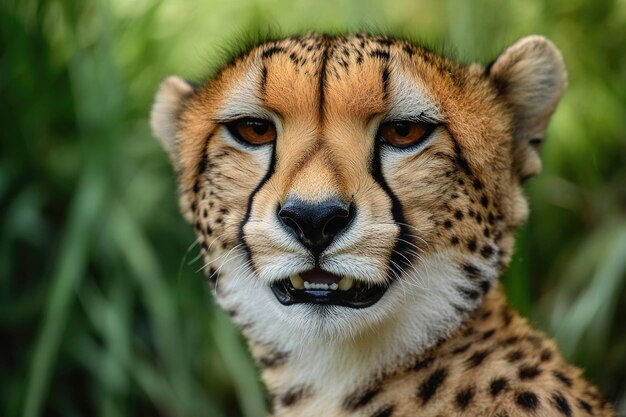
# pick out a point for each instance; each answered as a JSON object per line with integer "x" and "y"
{"x": 166, "y": 108}
{"x": 530, "y": 76}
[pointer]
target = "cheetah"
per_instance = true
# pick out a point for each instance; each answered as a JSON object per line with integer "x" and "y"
{"x": 355, "y": 198}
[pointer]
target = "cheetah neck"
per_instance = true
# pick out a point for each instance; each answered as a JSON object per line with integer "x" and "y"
{"x": 330, "y": 373}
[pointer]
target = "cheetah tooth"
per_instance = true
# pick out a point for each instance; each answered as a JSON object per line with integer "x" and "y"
{"x": 297, "y": 282}
{"x": 346, "y": 283}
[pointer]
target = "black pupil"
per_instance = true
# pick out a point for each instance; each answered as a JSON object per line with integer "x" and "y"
{"x": 260, "y": 128}
{"x": 402, "y": 129}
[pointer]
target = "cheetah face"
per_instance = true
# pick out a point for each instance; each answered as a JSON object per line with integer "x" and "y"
{"x": 343, "y": 182}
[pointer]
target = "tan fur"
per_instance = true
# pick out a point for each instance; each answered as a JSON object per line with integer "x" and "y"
{"x": 460, "y": 199}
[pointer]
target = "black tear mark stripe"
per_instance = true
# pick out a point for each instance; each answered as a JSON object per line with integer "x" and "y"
{"x": 401, "y": 256}
{"x": 240, "y": 235}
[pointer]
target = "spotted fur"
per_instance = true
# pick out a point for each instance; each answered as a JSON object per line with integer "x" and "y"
{"x": 434, "y": 223}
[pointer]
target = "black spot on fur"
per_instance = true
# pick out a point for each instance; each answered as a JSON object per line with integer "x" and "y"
{"x": 585, "y": 406}
{"x": 454, "y": 240}
{"x": 447, "y": 224}
{"x": 460, "y": 349}
{"x": 515, "y": 356}
{"x": 488, "y": 334}
{"x": 272, "y": 360}
{"x": 487, "y": 251}
{"x": 469, "y": 331}
{"x": 566, "y": 380}
{"x": 510, "y": 341}
{"x": 430, "y": 386}
{"x": 528, "y": 372}
{"x": 472, "y": 245}
{"x": 464, "y": 397}
{"x": 561, "y": 404}
{"x": 409, "y": 50}
{"x": 458, "y": 214}
{"x": 422, "y": 363}
{"x": 497, "y": 386}
{"x": 386, "y": 411}
{"x": 292, "y": 396}
{"x": 507, "y": 316}
{"x": 484, "y": 286}
{"x": 477, "y": 358}
{"x": 471, "y": 271}
{"x": 546, "y": 355}
{"x": 469, "y": 293}
{"x": 360, "y": 399}
{"x": 477, "y": 184}
{"x": 527, "y": 400}
{"x": 484, "y": 201}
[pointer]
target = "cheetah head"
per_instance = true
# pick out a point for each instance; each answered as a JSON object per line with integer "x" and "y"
{"x": 339, "y": 183}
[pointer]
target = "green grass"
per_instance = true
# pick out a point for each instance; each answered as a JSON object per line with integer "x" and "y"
{"x": 102, "y": 311}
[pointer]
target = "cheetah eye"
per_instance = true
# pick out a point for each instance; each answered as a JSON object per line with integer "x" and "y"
{"x": 252, "y": 131}
{"x": 403, "y": 134}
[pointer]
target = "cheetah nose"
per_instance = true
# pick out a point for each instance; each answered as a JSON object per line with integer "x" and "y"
{"x": 316, "y": 224}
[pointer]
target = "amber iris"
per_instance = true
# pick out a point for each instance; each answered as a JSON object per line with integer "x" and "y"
{"x": 404, "y": 133}
{"x": 253, "y": 131}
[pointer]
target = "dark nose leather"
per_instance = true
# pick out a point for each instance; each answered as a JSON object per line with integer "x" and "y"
{"x": 316, "y": 224}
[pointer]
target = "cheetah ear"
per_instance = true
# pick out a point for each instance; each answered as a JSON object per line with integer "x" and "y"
{"x": 165, "y": 111}
{"x": 530, "y": 75}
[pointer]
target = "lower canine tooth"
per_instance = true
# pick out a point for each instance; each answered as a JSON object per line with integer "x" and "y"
{"x": 346, "y": 283}
{"x": 297, "y": 282}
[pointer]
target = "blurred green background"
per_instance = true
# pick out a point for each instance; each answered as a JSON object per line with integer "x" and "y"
{"x": 102, "y": 310}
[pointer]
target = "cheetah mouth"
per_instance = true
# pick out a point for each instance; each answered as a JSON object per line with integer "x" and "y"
{"x": 317, "y": 286}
